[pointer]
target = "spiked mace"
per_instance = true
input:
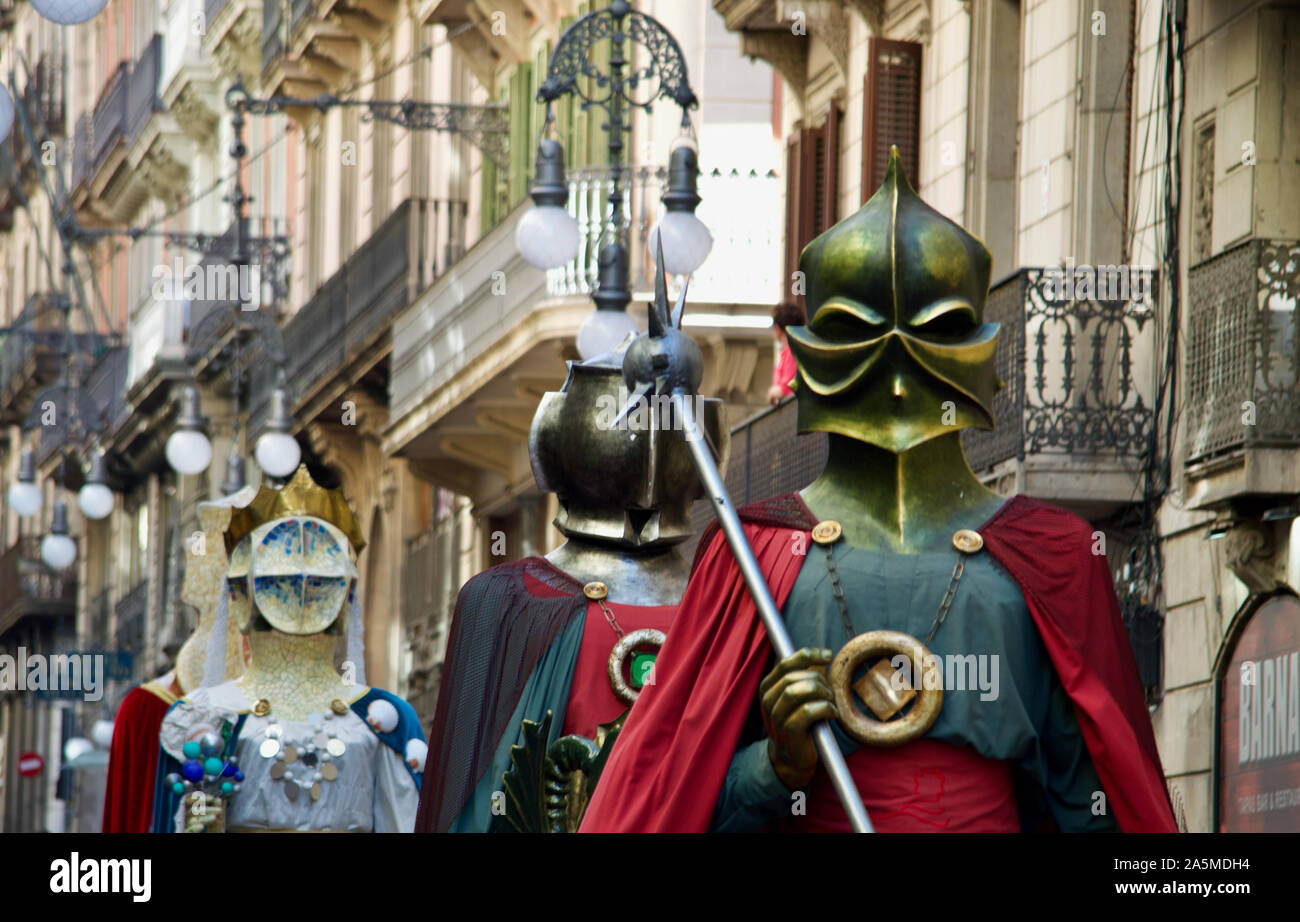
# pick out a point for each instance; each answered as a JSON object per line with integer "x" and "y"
{"x": 664, "y": 361}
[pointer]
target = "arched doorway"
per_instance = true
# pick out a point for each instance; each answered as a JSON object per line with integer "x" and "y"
{"x": 1257, "y": 757}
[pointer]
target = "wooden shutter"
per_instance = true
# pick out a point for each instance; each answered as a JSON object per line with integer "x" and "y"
{"x": 812, "y": 187}
{"x": 891, "y": 111}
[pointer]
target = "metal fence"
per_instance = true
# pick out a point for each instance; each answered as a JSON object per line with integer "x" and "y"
{"x": 1243, "y": 351}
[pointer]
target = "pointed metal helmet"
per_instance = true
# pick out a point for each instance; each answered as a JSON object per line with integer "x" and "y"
{"x": 896, "y": 351}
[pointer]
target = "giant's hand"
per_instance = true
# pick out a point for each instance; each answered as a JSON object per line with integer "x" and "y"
{"x": 795, "y": 696}
{"x": 204, "y": 813}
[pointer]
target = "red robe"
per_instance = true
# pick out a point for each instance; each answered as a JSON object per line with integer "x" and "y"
{"x": 671, "y": 759}
{"x": 133, "y": 758}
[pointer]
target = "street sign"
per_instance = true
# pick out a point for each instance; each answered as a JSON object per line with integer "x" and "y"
{"x": 30, "y": 764}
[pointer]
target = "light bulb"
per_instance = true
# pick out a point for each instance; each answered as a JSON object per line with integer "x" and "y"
{"x": 6, "y": 113}
{"x": 188, "y": 451}
{"x": 58, "y": 551}
{"x": 69, "y": 12}
{"x": 95, "y": 500}
{"x": 101, "y": 733}
{"x": 603, "y": 331}
{"x": 547, "y": 237}
{"x": 25, "y": 498}
{"x": 76, "y": 747}
{"x": 686, "y": 241}
{"x": 277, "y": 453}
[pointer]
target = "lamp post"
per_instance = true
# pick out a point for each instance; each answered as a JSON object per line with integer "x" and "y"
{"x": 547, "y": 236}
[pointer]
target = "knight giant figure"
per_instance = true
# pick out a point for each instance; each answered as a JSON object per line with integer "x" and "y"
{"x": 969, "y": 648}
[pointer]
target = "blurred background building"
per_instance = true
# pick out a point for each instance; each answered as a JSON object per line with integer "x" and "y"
{"x": 1146, "y": 138}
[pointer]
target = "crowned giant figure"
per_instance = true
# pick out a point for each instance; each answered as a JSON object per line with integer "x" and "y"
{"x": 561, "y": 645}
{"x": 291, "y": 744}
{"x": 968, "y": 649}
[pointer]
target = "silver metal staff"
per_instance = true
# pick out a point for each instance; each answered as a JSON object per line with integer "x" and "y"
{"x": 665, "y": 361}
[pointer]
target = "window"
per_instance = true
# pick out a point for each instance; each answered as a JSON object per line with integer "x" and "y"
{"x": 891, "y": 113}
{"x": 812, "y": 186}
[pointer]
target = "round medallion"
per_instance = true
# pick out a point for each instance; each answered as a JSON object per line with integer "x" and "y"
{"x": 827, "y": 532}
{"x": 290, "y": 753}
{"x": 868, "y": 730}
{"x": 315, "y": 790}
{"x": 645, "y": 637}
{"x": 595, "y": 590}
{"x": 967, "y": 541}
{"x": 262, "y": 708}
{"x": 338, "y": 707}
{"x": 291, "y": 789}
{"x": 269, "y": 748}
{"x": 329, "y": 771}
{"x": 336, "y": 747}
{"x": 277, "y": 771}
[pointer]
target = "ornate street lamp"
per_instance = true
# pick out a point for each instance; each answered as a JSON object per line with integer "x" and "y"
{"x": 188, "y": 450}
{"x": 547, "y": 235}
{"x": 278, "y": 452}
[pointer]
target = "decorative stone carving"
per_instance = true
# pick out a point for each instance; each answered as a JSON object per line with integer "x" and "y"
{"x": 786, "y": 52}
{"x": 1248, "y": 547}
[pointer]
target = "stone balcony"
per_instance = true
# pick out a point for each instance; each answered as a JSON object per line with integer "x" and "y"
{"x": 28, "y": 588}
{"x": 1074, "y": 419}
{"x": 1242, "y": 417}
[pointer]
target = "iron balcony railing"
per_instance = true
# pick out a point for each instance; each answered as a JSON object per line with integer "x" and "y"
{"x": 109, "y": 123}
{"x": 273, "y": 41}
{"x": 83, "y": 149}
{"x": 96, "y": 630}
{"x": 142, "y": 98}
{"x": 30, "y": 357}
{"x": 212, "y": 9}
{"x": 742, "y": 212}
{"x": 1078, "y": 371}
{"x": 29, "y": 587}
{"x": 107, "y": 386}
{"x": 1243, "y": 349}
{"x": 129, "y": 611}
{"x": 417, "y": 242}
{"x": 43, "y": 95}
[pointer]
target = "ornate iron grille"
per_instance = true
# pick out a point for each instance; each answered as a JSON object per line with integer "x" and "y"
{"x": 1069, "y": 365}
{"x": 1243, "y": 354}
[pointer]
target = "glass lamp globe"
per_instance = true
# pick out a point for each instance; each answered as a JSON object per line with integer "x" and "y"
{"x": 547, "y": 237}
{"x": 95, "y": 500}
{"x": 76, "y": 747}
{"x": 58, "y": 551}
{"x": 25, "y": 498}
{"x": 101, "y": 733}
{"x": 188, "y": 451}
{"x": 603, "y": 331}
{"x": 69, "y": 12}
{"x": 6, "y": 113}
{"x": 686, "y": 241}
{"x": 277, "y": 453}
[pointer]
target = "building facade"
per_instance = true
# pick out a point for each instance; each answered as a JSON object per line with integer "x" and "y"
{"x": 413, "y": 341}
{"x": 1144, "y": 151}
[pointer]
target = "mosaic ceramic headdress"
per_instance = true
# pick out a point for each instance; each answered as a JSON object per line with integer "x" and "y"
{"x": 300, "y": 573}
{"x": 300, "y": 496}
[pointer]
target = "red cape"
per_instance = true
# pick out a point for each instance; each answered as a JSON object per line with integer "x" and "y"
{"x": 133, "y": 759}
{"x": 668, "y": 766}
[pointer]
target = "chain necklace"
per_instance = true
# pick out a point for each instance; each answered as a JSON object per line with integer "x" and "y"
{"x": 641, "y": 670}
{"x": 940, "y": 614}
{"x": 885, "y": 689}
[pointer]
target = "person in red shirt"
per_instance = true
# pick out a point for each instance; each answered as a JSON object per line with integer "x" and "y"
{"x": 785, "y": 314}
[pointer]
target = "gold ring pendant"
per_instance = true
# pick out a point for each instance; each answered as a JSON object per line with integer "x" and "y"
{"x": 645, "y": 637}
{"x": 884, "y": 690}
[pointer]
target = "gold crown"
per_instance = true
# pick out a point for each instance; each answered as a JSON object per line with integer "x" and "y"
{"x": 300, "y": 496}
